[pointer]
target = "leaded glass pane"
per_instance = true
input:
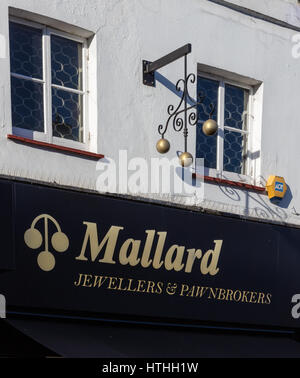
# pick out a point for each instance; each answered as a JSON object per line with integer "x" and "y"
{"x": 27, "y": 104}
{"x": 26, "y": 56}
{"x": 66, "y": 62}
{"x": 206, "y": 147}
{"x": 67, "y": 115}
{"x": 234, "y": 151}
{"x": 235, "y": 143}
{"x": 236, "y": 103}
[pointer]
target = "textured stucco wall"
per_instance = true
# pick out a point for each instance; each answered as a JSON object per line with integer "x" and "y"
{"x": 284, "y": 10}
{"x": 126, "y": 113}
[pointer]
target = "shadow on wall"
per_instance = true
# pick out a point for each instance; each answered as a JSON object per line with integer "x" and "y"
{"x": 172, "y": 87}
{"x": 285, "y": 202}
{"x": 261, "y": 206}
{"x": 264, "y": 209}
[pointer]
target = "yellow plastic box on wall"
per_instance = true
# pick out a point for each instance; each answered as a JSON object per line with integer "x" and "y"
{"x": 276, "y": 187}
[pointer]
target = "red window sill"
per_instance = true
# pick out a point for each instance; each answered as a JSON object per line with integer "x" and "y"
{"x": 237, "y": 184}
{"x": 56, "y": 147}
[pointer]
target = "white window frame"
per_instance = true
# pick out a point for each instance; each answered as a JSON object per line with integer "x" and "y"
{"x": 219, "y": 171}
{"x": 47, "y": 135}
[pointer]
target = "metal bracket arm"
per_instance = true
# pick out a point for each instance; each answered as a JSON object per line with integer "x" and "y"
{"x": 149, "y": 68}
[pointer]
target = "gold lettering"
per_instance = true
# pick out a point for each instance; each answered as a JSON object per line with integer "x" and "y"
{"x": 191, "y": 292}
{"x": 244, "y": 296}
{"x": 99, "y": 280}
{"x": 222, "y": 295}
{"x": 132, "y": 259}
{"x": 261, "y": 297}
{"x": 91, "y": 235}
{"x": 86, "y": 282}
{"x": 184, "y": 289}
{"x": 212, "y": 255}
{"x": 79, "y": 281}
{"x": 192, "y": 255}
{"x": 159, "y": 288}
{"x": 146, "y": 261}
{"x": 202, "y": 291}
{"x": 229, "y": 293}
{"x": 150, "y": 286}
{"x": 269, "y": 296}
{"x": 120, "y": 285}
{"x": 130, "y": 249}
{"x": 130, "y": 284}
{"x": 140, "y": 288}
{"x": 176, "y": 264}
{"x": 214, "y": 293}
{"x": 252, "y": 297}
{"x": 157, "y": 263}
{"x": 112, "y": 283}
{"x": 240, "y": 295}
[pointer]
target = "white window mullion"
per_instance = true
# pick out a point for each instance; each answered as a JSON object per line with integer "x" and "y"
{"x": 220, "y": 137}
{"x": 86, "y": 131}
{"x": 67, "y": 89}
{"x": 250, "y": 164}
{"x": 47, "y": 85}
{"x": 29, "y": 78}
{"x": 234, "y": 129}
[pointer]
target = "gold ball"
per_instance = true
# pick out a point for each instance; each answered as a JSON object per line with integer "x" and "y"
{"x": 210, "y": 127}
{"x": 163, "y": 146}
{"x": 186, "y": 159}
{"x": 46, "y": 261}
{"x": 33, "y": 238}
{"x": 60, "y": 242}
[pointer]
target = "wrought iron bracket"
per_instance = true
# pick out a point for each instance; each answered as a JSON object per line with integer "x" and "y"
{"x": 186, "y": 113}
{"x": 148, "y": 77}
{"x": 149, "y": 68}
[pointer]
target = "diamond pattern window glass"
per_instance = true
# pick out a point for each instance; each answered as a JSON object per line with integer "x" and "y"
{"x": 226, "y": 151}
{"x": 207, "y": 147}
{"x": 235, "y": 128}
{"x": 27, "y": 104}
{"x": 66, "y": 74}
{"x": 66, "y": 62}
{"x": 66, "y": 114}
{"x": 26, "y": 50}
{"x": 47, "y": 83}
{"x": 26, "y": 78}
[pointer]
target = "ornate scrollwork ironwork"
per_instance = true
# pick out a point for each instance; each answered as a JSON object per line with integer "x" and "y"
{"x": 185, "y": 114}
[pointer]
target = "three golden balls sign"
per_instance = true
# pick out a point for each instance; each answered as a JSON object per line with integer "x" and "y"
{"x": 82, "y": 253}
{"x": 210, "y": 127}
{"x": 163, "y": 146}
{"x": 186, "y": 159}
{"x": 276, "y": 187}
{"x": 34, "y": 240}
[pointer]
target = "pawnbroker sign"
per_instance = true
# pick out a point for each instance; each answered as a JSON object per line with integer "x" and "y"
{"x": 83, "y": 253}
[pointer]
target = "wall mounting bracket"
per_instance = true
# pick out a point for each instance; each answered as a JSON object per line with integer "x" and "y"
{"x": 149, "y": 68}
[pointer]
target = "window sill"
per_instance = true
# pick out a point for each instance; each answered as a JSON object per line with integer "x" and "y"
{"x": 241, "y": 185}
{"x": 55, "y": 147}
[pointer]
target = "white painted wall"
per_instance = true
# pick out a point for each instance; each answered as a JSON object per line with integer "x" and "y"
{"x": 125, "y": 114}
{"x": 284, "y": 10}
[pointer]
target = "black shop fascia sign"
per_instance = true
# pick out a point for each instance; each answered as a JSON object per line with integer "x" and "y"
{"x": 70, "y": 252}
